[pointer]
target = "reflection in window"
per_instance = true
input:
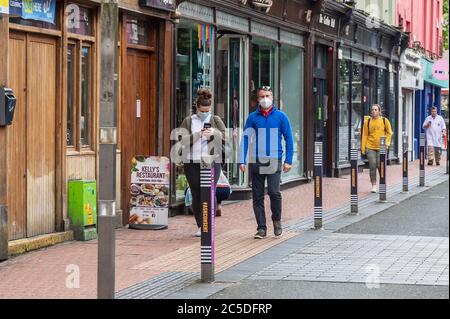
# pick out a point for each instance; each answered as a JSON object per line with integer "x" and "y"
{"x": 344, "y": 112}
{"x": 392, "y": 112}
{"x": 193, "y": 71}
{"x": 291, "y": 101}
{"x": 138, "y": 32}
{"x": 85, "y": 102}
{"x": 70, "y": 133}
{"x": 79, "y": 20}
{"x": 381, "y": 88}
{"x": 264, "y": 68}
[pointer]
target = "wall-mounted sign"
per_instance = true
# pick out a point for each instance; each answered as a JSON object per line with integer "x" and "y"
{"x": 150, "y": 191}
{"x": 41, "y": 10}
{"x": 327, "y": 20}
{"x": 4, "y": 6}
{"x": 168, "y": 5}
{"x": 15, "y": 8}
{"x": 440, "y": 70}
{"x": 260, "y": 4}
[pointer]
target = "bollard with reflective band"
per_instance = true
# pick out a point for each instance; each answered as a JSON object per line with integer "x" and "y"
{"x": 448, "y": 159}
{"x": 354, "y": 178}
{"x": 405, "y": 163}
{"x": 207, "y": 189}
{"x": 382, "y": 188}
{"x": 318, "y": 210}
{"x": 422, "y": 160}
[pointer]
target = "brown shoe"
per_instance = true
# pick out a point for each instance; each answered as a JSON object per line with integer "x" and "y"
{"x": 219, "y": 211}
{"x": 430, "y": 163}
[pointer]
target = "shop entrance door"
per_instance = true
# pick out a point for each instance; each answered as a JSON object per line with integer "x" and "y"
{"x": 232, "y": 98}
{"x": 138, "y": 115}
{"x": 32, "y": 136}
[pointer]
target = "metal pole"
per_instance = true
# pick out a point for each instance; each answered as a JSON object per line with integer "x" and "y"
{"x": 405, "y": 163}
{"x": 208, "y": 194}
{"x": 107, "y": 150}
{"x": 318, "y": 172}
{"x": 382, "y": 187}
{"x": 354, "y": 178}
{"x": 422, "y": 160}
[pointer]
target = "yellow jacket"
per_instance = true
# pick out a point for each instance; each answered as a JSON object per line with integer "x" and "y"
{"x": 371, "y": 136}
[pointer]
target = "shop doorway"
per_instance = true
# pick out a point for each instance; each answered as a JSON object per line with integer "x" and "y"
{"x": 139, "y": 119}
{"x": 232, "y": 97}
{"x": 32, "y": 136}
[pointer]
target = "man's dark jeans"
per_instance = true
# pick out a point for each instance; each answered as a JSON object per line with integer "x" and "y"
{"x": 273, "y": 185}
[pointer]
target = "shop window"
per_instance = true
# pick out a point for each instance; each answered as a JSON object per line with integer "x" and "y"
{"x": 381, "y": 88}
{"x": 71, "y": 114}
{"x": 264, "y": 68}
{"x": 137, "y": 32}
{"x": 79, "y": 20}
{"x": 344, "y": 112}
{"x": 80, "y": 84}
{"x": 291, "y": 102}
{"x": 48, "y": 21}
{"x": 194, "y": 70}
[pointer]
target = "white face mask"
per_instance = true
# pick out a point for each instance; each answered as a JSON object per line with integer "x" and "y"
{"x": 265, "y": 103}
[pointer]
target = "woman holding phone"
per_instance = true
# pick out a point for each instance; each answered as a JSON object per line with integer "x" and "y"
{"x": 203, "y": 128}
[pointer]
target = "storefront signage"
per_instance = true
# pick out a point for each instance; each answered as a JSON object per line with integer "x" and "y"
{"x": 4, "y": 6}
{"x": 231, "y": 21}
{"x": 150, "y": 191}
{"x": 15, "y": 8}
{"x": 168, "y": 5}
{"x": 40, "y": 10}
{"x": 291, "y": 38}
{"x": 440, "y": 70}
{"x": 196, "y": 12}
{"x": 327, "y": 20}
{"x": 265, "y": 31}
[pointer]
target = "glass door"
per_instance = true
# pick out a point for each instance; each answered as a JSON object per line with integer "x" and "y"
{"x": 232, "y": 101}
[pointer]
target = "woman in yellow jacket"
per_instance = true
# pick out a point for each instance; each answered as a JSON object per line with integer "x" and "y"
{"x": 375, "y": 127}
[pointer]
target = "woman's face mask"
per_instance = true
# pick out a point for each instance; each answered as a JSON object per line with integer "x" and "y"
{"x": 203, "y": 115}
{"x": 266, "y": 103}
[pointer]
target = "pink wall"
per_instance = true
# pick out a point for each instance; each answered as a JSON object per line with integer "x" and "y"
{"x": 425, "y": 20}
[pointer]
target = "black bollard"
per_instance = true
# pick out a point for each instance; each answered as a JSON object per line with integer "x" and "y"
{"x": 422, "y": 160}
{"x": 405, "y": 163}
{"x": 382, "y": 168}
{"x": 354, "y": 178}
{"x": 448, "y": 159}
{"x": 318, "y": 172}
{"x": 207, "y": 230}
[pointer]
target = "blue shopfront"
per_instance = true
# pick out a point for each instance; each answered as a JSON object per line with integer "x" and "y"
{"x": 425, "y": 99}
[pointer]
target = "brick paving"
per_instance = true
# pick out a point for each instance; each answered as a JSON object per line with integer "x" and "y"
{"x": 142, "y": 255}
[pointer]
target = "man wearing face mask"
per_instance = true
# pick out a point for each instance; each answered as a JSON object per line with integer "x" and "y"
{"x": 263, "y": 132}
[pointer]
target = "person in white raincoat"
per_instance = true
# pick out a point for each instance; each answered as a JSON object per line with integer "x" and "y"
{"x": 435, "y": 128}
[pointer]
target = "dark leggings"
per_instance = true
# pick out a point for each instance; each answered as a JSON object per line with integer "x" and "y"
{"x": 192, "y": 171}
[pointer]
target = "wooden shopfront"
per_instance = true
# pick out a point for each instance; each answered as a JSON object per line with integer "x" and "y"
{"x": 53, "y": 67}
{"x": 145, "y": 77}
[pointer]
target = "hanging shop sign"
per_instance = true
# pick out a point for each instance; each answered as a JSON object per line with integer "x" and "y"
{"x": 167, "y": 5}
{"x": 150, "y": 191}
{"x": 440, "y": 70}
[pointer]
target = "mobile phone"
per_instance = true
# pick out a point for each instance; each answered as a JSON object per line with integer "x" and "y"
{"x": 207, "y": 125}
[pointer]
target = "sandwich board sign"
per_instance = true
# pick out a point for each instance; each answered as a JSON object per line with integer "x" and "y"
{"x": 150, "y": 192}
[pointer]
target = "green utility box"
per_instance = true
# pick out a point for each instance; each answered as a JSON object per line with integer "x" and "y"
{"x": 83, "y": 209}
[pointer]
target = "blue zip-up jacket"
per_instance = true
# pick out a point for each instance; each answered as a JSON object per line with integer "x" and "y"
{"x": 273, "y": 147}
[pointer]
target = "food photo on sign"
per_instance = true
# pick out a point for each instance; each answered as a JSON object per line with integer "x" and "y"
{"x": 150, "y": 191}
